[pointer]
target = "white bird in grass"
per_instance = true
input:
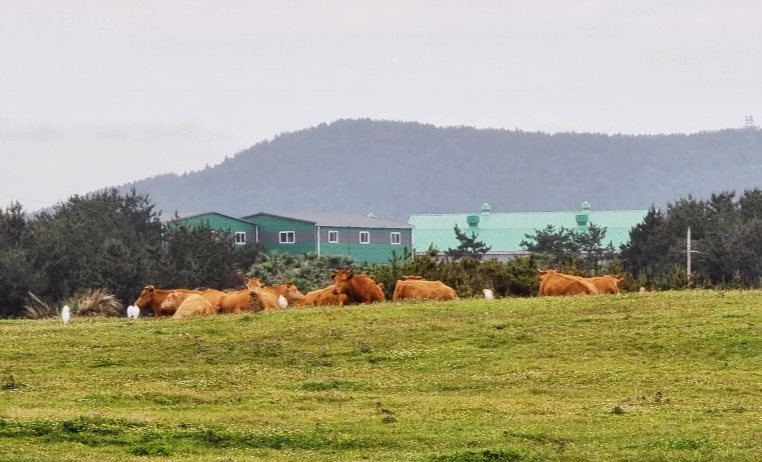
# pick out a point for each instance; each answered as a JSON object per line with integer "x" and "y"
{"x": 488, "y": 294}
{"x": 65, "y": 314}
{"x": 282, "y": 301}
{"x": 133, "y": 312}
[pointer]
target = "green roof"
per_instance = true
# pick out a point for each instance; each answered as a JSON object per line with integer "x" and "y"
{"x": 505, "y": 231}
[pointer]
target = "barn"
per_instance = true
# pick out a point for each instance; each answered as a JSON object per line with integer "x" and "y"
{"x": 505, "y": 231}
{"x": 362, "y": 238}
{"x": 241, "y": 230}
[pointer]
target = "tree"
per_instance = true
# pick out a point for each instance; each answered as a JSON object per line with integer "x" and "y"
{"x": 468, "y": 247}
{"x": 197, "y": 257}
{"x": 570, "y": 246}
{"x": 104, "y": 240}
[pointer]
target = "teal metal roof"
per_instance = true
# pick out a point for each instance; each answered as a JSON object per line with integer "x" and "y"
{"x": 505, "y": 231}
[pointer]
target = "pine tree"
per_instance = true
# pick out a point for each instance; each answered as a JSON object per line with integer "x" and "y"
{"x": 469, "y": 246}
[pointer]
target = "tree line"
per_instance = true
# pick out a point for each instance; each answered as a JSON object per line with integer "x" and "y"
{"x": 115, "y": 241}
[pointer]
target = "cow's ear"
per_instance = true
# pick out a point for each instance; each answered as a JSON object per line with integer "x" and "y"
{"x": 350, "y": 275}
{"x": 333, "y": 276}
{"x": 289, "y": 283}
{"x": 381, "y": 285}
{"x": 150, "y": 289}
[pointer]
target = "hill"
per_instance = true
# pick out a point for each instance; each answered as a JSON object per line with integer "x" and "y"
{"x": 664, "y": 376}
{"x": 394, "y": 169}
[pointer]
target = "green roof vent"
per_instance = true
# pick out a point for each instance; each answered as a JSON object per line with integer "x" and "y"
{"x": 473, "y": 220}
{"x": 586, "y": 207}
{"x": 370, "y": 215}
{"x": 486, "y": 208}
{"x": 582, "y": 220}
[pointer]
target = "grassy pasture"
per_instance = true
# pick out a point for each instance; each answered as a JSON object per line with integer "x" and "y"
{"x": 671, "y": 376}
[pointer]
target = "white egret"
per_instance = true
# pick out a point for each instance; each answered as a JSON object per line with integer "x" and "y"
{"x": 65, "y": 314}
{"x": 488, "y": 294}
{"x": 133, "y": 312}
{"x": 282, "y": 301}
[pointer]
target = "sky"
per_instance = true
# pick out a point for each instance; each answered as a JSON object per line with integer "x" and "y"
{"x": 101, "y": 93}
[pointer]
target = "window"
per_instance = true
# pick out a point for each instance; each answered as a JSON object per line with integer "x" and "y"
{"x": 395, "y": 238}
{"x": 240, "y": 237}
{"x": 364, "y": 237}
{"x": 333, "y": 237}
{"x": 287, "y": 237}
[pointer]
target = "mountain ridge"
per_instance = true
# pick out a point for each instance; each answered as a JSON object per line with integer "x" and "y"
{"x": 394, "y": 169}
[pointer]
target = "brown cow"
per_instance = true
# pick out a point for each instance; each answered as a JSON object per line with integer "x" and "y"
{"x": 254, "y": 282}
{"x": 608, "y": 284}
{"x": 193, "y": 305}
{"x": 242, "y": 300}
{"x": 420, "y": 289}
{"x": 358, "y": 288}
{"x": 288, "y": 290}
{"x": 153, "y": 298}
{"x": 553, "y": 283}
{"x": 265, "y": 299}
{"x": 322, "y": 297}
{"x": 212, "y": 296}
{"x": 176, "y": 298}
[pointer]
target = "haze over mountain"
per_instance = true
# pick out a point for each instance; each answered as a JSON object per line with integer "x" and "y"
{"x": 394, "y": 169}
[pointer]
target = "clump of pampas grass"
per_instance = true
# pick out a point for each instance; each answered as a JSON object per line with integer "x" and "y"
{"x": 98, "y": 302}
{"x": 37, "y": 308}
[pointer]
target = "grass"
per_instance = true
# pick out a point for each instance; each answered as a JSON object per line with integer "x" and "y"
{"x": 671, "y": 376}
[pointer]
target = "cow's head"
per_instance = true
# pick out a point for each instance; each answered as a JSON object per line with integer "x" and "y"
{"x": 172, "y": 302}
{"x": 292, "y": 292}
{"x": 543, "y": 274}
{"x": 342, "y": 281}
{"x": 254, "y": 282}
{"x": 254, "y": 299}
{"x": 146, "y": 295}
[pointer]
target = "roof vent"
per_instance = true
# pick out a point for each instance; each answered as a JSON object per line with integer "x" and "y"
{"x": 473, "y": 220}
{"x": 486, "y": 208}
{"x": 370, "y": 215}
{"x": 586, "y": 207}
{"x": 582, "y": 220}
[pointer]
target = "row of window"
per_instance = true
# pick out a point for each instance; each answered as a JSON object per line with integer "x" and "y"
{"x": 289, "y": 237}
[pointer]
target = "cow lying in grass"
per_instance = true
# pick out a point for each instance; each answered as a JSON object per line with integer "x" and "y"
{"x": 608, "y": 284}
{"x": 185, "y": 305}
{"x": 554, "y": 283}
{"x": 152, "y": 297}
{"x": 417, "y": 288}
{"x": 357, "y": 288}
{"x": 320, "y": 297}
{"x": 287, "y": 290}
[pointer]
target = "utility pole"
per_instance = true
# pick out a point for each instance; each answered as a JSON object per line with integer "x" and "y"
{"x": 689, "y": 252}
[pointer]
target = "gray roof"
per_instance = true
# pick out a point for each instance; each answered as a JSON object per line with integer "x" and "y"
{"x": 167, "y": 217}
{"x": 339, "y": 220}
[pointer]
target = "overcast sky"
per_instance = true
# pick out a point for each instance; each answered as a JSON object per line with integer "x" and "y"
{"x": 96, "y": 93}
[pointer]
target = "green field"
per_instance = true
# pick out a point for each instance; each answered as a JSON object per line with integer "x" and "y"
{"x": 671, "y": 376}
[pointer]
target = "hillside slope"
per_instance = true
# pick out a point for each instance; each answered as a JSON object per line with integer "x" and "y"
{"x": 394, "y": 169}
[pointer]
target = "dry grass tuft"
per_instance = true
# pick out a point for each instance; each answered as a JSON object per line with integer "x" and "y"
{"x": 36, "y": 308}
{"x": 99, "y": 303}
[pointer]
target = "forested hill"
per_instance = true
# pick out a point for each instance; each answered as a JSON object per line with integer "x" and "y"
{"x": 394, "y": 169}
